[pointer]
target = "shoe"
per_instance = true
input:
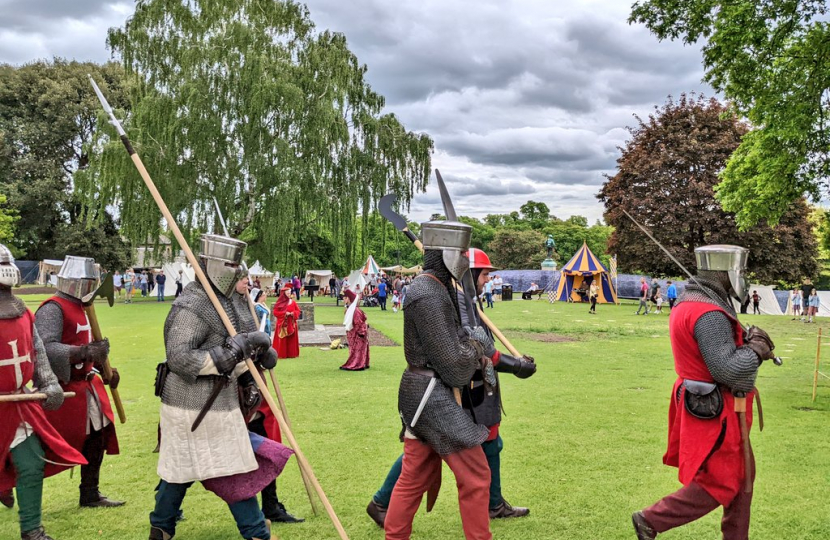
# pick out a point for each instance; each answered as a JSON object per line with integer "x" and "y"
{"x": 642, "y": 527}
{"x": 281, "y": 515}
{"x": 504, "y": 510}
{"x": 377, "y": 513}
{"x": 7, "y": 498}
{"x": 158, "y": 534}
{"x": 99, "y": 500}
{"x": 36, "y": 534}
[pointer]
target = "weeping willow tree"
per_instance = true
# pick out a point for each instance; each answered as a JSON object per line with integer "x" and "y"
{"x": 243, "y": 100}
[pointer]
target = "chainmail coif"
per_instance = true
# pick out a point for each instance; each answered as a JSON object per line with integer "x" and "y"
{"x": 735, "y": 367}
{"x": 434, "y": 339}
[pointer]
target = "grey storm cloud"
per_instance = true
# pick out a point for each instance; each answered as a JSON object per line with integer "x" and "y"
{"x": 523, "y": 98}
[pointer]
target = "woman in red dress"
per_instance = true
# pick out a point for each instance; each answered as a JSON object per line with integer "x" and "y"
{"x": 287, "y": 312}
{"x": 357, "y": 334}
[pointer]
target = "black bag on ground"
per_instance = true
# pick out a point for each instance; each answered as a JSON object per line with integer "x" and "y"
{"x": 702, "y": 399}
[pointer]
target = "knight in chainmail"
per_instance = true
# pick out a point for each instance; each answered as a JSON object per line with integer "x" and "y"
{"x": 85, "y": 421}
{"x": 441, "y": 357}
{"x": 206, "y": 391}
{"x": 481, "y": 400}
{"x": 27, "y": 440}
{"x": 716, "y": 361}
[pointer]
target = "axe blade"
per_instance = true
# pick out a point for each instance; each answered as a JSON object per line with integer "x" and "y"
{"x": 104, "y": 290}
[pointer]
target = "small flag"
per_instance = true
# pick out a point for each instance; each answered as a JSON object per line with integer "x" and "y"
{"x": 613, "y": 265}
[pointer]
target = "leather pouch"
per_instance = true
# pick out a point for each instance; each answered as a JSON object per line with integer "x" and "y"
{"x": 162, "y": 371}
{"x": 702, "y": 399}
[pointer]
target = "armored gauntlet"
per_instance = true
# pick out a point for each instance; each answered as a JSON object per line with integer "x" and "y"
{"x": 520, "y": 367}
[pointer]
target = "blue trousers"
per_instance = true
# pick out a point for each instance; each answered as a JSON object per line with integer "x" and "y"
{"x": 491, "y": 452}
{"x": 169, "y": 498}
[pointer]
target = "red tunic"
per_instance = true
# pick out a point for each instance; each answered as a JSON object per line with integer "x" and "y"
{"x": 71, "y": 419}
{"x": 692, "y": 440}
{"x": 269, "y": 421}
{"x": 358, "y": 338}
{"x": 289, "y": 346}
{"x": 17, "y": 362}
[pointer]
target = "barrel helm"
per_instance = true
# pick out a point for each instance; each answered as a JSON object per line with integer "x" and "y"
{"x": 452, "y": 238}
{"x": 221, "y": 259}
{"x": 729, "y": 259}
{"x": 9, "y": 272}
{"x": 78, "y": 276}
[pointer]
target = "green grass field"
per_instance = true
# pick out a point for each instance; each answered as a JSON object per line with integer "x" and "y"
{"x": 583, "y": 438}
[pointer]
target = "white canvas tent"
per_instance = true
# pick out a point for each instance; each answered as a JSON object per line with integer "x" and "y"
{"x": 357, "y": 281}
{"x": 824, "y": 303}
{"x": 768, "y": 305}
{"x": 266, "y": 278}
{"x": 171, "y": 271}
{"x": 45, "y": 267}
{"x": 322, "y": 277}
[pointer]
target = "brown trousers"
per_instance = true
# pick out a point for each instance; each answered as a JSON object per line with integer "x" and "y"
{"x": 421, "y": 466}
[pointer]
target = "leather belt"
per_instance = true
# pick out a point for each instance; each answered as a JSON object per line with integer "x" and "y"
{"x": 420, "y": 371}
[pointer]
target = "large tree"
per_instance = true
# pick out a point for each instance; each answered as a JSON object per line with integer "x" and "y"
{"x": 48, "y": 115}
{"x": 514, "y": 249}
{"x": 245, "y": 101}
{"x": 771, "y": 59}
{"x": 665, "y": 179}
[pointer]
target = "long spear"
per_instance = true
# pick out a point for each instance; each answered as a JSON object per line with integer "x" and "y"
{"x": 200, "y": 275}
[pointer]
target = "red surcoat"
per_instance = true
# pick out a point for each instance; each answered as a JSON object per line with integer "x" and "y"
{"x": 289, "y": 346}
{"x": 692, "y": 440}
{"x": 17, "y": 363}
{"x": 71, "y": 419}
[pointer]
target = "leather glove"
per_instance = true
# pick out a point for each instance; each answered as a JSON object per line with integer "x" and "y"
{"x": 114, "y": 380}
{"x": 95, "y": 352}
{"x": 478, "y": 334}
{"x": 237, "y": 349}
{"x": 267, "y": 359}
{"x": 760, "y": 343}
{"x": 520, "y": 367}
{"x": 249, "y": 397}
{"x": 54, "y": 397}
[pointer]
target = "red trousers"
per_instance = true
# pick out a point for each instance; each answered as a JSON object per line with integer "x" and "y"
{"x": 692, "y": 502}
{"x": 421, "y": 467}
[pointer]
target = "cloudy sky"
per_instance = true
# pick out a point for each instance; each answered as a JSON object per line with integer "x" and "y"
{"x": 525, "y": 99}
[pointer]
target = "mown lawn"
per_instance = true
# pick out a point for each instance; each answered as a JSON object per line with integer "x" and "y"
{"x": 583, "y": 438}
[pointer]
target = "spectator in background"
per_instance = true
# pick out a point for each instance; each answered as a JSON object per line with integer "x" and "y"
{"x": 333, "y": 286}
{"x": 671, "y": 294}
{"x": 658, "y": 299}
{"x": 488, "y": 293}
{"x": 179, "y": 283}
{"x": 593, "y": 294}
{"x": 382, "y": 294}
{"x": 143, "y": 283}
{"x": 796, "y": 300}
{"x": 643, "y": 296}
{"x": 813, "y": 303}
{"x": 806, "y": 289}
{"x": 151, "y": 282}
{"x": 296, "y": 286}
{"x": 117, "y": 283}
{"x": 129, "y": 284}
{"x": 756, "y": 303}
{"x": 396, "y": 301}
{"x": 497, "y": 284}
{"x": 652, "y": 295}
{"x": 528, "y": 294}
{"x": 161, "y": 279}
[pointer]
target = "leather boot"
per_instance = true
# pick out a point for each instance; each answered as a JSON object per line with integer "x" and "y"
{"x": 504, "y": 510}
{"x": 158, "y": 534}
{"x": 35, "y": 534}
{"x": 7, "y": 498}
{"x": 642, "y": 527}
{"x": 96, "y": 499}
{"x": 281, "y": 515}
{"x": 377, "y": 513}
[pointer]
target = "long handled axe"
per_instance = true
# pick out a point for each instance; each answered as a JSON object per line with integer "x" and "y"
{"x": 16, "y": 398}
{"x": 203, "y": 279}
{"x": 105, "y": 290}
{"x": 385, "y": 206}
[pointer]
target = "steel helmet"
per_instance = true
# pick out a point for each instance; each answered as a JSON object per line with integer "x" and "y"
{"x": 479, "y": 259}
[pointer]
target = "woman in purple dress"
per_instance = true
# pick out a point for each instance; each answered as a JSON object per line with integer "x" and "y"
{"x": 357, "y": 334}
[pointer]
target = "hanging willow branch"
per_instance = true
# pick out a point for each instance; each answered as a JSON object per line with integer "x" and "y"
{"x": 243, "y": 100}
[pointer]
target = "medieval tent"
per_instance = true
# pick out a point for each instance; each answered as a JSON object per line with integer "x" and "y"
{"x": 371, "y": 267}
{"x": 171, "y": 272}
{"x": 577, "y": 275}
{"x": 46, "y": 267}
{"x": 266, "y": 278}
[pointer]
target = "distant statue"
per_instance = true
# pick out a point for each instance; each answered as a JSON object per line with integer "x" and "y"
{"x": 550, "y": 245}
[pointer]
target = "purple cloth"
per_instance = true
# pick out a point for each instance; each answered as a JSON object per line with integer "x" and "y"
{"x": 271, "y": 457}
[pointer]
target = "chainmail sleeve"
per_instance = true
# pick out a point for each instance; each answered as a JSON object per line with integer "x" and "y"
{"x": 49, "y": 325}
{"x": 185, "y": 340}
{"x": 735, "y": 367}
{"x": 43, "y": 376}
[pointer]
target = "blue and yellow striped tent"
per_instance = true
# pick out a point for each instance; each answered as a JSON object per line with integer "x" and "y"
{"x": 579, "y": 272}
